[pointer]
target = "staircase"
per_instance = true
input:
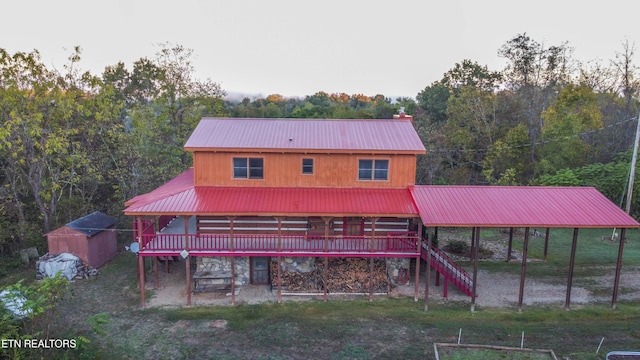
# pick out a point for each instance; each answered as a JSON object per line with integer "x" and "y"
{"x": 449, "y": 269}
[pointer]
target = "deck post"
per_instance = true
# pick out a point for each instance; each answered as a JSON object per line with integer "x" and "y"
{"x": 279, "y": 251}
{"x": 233, "y": 280}
{"x": 325, "y": 271}
{"x": 510, "y": 244}
{"x": 231, "y": 239}
{"x": 279, "y": 280}
{"x": 155, "y": 272}
{"x": 233, "y": 261}
{"x": 187, "y": 247}
{"x": 416, "y": 291}
{"x": 475, "y": 240}
{"x": 427, "y": 279}
{"x": 523, "y": 271}
{"x": 156, "y": 228}
{"x": 141, "y": 275}
{"x": 371, "y": 259}
{"x": 616, "y": 279}
{"x": 572, "y": 259}
{"x": 140, "y": 262}
{"x": 546, "y": 243}
{"x": 139, "y": 240}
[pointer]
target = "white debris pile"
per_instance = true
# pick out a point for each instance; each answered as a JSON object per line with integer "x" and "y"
{"x": 14, "y": 302}
{"x": 69, "y": 265}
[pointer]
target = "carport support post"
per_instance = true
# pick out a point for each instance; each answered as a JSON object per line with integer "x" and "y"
{"x": 572, "y": 259}
{"x": 187, "y": 247}
{"x": 616, "y": 280}
{"x": 475, "y": 239}
{"x": 523, "y": 272}
{"x": 510, "y": 244}
{"x": 546, "y": 243}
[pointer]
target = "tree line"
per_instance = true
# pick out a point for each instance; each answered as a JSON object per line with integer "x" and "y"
{"x": 73, "y": 142}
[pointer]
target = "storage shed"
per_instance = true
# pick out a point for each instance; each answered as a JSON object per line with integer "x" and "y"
{"x": 92, "y": 238}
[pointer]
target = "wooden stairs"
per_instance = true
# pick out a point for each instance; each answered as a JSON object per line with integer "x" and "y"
{"x": 451, "y": 271}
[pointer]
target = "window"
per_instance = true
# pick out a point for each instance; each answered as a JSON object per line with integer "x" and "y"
{"x": 251, "y": 168}
{"x": 373, "y": 169}
{"x": 307, "y": 166}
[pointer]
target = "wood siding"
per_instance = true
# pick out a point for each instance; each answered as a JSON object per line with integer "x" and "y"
{"x": 285, "y": 170}
{"x": 297, "y": 225}
{"x": 94, "y": 251}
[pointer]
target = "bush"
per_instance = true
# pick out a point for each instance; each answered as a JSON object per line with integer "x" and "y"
{"x": 457, "y": 247}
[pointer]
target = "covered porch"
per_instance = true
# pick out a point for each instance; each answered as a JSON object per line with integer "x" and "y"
{"x": 180, "y": 237}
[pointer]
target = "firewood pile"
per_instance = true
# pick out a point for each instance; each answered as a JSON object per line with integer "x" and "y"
{"x": 344, "y": 275}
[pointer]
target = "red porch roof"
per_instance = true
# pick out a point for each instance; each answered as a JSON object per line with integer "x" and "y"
{"x": 515, "y": 206}
{"x": 177, "y": 198}
{"x": 388, "y": 136}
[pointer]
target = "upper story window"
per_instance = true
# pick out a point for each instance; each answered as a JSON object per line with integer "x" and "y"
{"x": 307, "y": 166}
{"x": 373, "y": 169}
{"x": 248, "y": 168}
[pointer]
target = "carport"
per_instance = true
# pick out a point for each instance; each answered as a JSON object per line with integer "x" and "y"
{"x": 520, "y": 207}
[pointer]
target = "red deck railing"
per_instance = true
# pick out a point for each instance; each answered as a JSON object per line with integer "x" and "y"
{"x": 449, "y": 269}
{"x": 269, "y": 244}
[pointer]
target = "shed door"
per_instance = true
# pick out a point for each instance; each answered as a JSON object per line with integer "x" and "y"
{"x": 259, "y": 270}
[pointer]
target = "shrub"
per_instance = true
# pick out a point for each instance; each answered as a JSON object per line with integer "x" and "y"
{"x": 457, "y": 247}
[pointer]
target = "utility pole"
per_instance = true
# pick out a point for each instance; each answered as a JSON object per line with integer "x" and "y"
{"x": 632, "y": 174}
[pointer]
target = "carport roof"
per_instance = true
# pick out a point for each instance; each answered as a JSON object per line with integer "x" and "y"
{"x": 518, "y": 206}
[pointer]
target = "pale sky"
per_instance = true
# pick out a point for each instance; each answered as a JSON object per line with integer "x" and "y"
{"x": 296, "y": 47}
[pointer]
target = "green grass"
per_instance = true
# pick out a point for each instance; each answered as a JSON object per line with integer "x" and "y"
{"x": 340, "y": 324}
{"x": 384, "y": 328}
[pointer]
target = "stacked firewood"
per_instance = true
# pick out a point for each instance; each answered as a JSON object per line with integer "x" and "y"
{"x": 344, "y": 275}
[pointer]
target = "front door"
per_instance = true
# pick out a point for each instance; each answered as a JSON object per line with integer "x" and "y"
{"x": 259, "y": 270}
{"x": 353, "y": 226}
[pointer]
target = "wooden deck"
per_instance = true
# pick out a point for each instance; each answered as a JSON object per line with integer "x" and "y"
{"x": 172, "y": 241}
{"x": 273, "y": 245}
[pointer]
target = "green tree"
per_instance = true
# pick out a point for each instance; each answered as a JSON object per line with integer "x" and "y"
{"x": 574, "y": 113}
{"x": 47, "y": 118}
{"x": 508, "y": 157}
{"x": 533, "y": 71}
{"x": 470, "y": 128}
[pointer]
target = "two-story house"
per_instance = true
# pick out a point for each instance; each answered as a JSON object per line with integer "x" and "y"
{"x": 261, "y": 190}
{"x": 268, "y": 194}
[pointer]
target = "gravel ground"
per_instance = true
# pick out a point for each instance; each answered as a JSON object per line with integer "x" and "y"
{"x": 493, "y": 289}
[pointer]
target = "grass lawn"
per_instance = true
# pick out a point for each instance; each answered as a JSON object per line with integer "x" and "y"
{"x": 381, "y": 329}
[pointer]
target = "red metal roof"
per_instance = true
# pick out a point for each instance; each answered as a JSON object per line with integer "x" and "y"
{"x": 463, "y": 206}
{"x": 271, "y": 201}
{"x": 518, "y": 206}
{"x": 395, "y": 136}
{"x": 176, "y": 185}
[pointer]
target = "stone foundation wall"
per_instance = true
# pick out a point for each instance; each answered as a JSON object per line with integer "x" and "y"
{"x": 223, "y": 264}
{"x": 398, "y": 270}
{"x": 296, "y": 264}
